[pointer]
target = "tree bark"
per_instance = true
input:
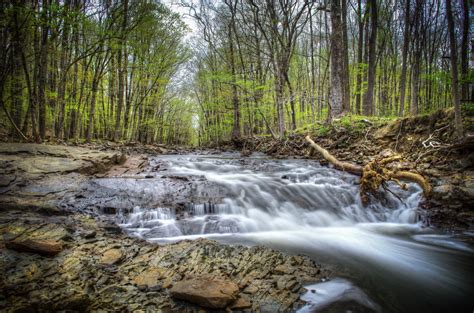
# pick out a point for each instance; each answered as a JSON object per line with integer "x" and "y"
{"x": 464, "y": 52}
{"x": 360, "y": 44}
{"x": 63, "y": 72}
{"x": 406, "y": 44}
{"x": 337, "y": 61}
{"x": 369, "y": 105}
{"x": 235, "y": 96}
{"x": 17, "y": 82}
{"x": 346, "y": 98}
{"x": 121, "y": 65}
{"x": 454, "y": 72}
{"x": 43, "y": 69}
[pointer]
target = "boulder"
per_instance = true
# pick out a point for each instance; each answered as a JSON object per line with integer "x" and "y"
{"x": 43, "y": 247}
{"x": 283, "y": 269}
{"x": 214, "y": 293}
{"x": 111, "y": 257}
{"x": 149, "y": 278}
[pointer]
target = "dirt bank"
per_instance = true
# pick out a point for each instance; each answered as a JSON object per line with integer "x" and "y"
{"x": 428, "y": 143}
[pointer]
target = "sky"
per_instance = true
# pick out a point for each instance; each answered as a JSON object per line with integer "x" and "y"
{"x": 184, "y": 12}
{"x": 185, "y": 74}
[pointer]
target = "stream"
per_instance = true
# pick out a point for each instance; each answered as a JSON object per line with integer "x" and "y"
{"x": 383, "y": 256}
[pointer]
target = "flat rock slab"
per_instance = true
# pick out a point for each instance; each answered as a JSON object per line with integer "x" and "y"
{"x": 111, "y": 257}
{"x": 150, "y": 278}
{"x": 40, "y": 159}
{"x": 43, "y": 247}
{"x": 46, "y": 165}
{"x": 50, "y": 150}
{"x": 214, "y": 293}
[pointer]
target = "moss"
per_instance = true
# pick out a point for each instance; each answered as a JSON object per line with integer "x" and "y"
{"x": 322, "y": 130}
{"x": 468, "y": 109}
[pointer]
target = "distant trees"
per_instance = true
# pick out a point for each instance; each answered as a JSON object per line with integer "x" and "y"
{"x": 76, "y": 69}
{"x": 79, "y": 69}
{"x": 299, "y": 60}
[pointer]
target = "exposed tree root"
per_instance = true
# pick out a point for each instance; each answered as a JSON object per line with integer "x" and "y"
{"x": 343, "y": 166}
{"x": 376, "y": 173}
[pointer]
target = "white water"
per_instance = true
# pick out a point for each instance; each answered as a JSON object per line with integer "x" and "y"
{"x": 323, "y": 294}
{"x": 301, "y": 207}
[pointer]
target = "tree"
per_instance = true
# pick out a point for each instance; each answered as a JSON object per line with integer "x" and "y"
{"x": 464, "y": 51}
{"x": 231, "y": 4}
{"x": 339, "y": 74}
{"x": 369, "y": 94}
{"x": 454, "y": 71}
{"x": 406, "y": 44}
{"x": 77, "y": 69}
{"x": 360, "y": 52}
{"x": 281, "y": 23}
{"x": 122, "y": 69}
{"x": 42, "y": 67}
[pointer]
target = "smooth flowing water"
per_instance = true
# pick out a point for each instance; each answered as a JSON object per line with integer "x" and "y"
{"x": 386, "y": 259}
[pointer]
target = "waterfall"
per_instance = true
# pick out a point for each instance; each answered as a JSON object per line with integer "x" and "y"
{"x": 270, "y": 195}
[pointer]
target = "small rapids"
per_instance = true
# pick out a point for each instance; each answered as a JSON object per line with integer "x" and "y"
{"x": 298, "y": 206}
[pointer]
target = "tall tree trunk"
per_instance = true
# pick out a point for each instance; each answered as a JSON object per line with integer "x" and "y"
{"x": 369, "y": 95}
{"x": 416, "y": 58}
{"x": 90, "y": 123}
{"x": 235, "y": 96}
{"x": 112, "y": 93}
{"x": 346, "y": 98}
{"x": 360, "y": 43}
{"x": 406, "y": 44}
{"x": 313, "y": 72}
{"x": 17, "y": 82}
{"x": 128, "y": 100}
{"x": 43, "y": 69}
{"x": 63, "y": 72}
{"x": 68, "y": 131}
{"x": 121, "y": 65}
{"x": 464, "y": 52}
{"x": 279, "y": 81}
{"x": 415, "y": 83}
{"x": 454, "y": 72}
{"x": 292, "y": 101}
{"x": 337, "y": 61}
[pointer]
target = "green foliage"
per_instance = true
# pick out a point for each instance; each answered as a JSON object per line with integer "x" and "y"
{"x": 468, "y": 109}
{"x": 322, "y": 130}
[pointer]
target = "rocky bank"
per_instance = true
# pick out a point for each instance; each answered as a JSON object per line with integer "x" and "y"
{"x": 57, "y": 256}
{"x": 427, "y": 142}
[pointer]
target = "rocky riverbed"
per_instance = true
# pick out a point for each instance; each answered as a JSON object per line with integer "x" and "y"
{"x": 60, "y": 252}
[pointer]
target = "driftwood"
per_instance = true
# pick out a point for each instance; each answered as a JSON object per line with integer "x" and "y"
{"x": 376, "y": 173}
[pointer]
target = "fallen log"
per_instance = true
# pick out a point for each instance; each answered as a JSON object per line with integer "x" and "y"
{"x": 374, "y": 174}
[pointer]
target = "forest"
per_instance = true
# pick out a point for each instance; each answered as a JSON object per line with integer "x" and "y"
{"x": 140, "y": 71}
{"x": 238, "y": 156}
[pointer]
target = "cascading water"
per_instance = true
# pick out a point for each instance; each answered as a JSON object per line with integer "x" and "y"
{"x": 301, "y": 207}
{"x": 290, "y": 195}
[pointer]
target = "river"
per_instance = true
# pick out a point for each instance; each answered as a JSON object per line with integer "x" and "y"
{"x": 384, "y": 256}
